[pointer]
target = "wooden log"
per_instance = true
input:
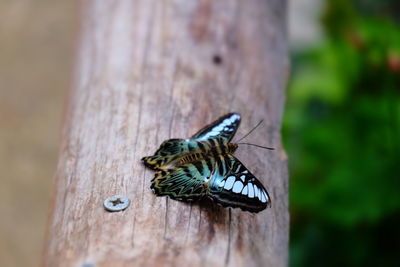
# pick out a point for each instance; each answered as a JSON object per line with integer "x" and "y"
{"x": 147, "y": 71}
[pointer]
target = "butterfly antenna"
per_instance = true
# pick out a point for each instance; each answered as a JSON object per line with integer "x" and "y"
{"x": 270, "y": 148}
{"x": 258, "y": 124}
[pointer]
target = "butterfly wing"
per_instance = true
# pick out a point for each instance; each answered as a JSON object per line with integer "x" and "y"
{"x": 238, "y": 187}
{"x": 169, "y": 152}
{"x": 186, "y": 182}
{"x": 225, "y": 127}
{"x": 172, "y": 150}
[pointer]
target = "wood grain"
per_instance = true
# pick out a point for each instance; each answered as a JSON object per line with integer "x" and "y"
{"x": 147, "y": 71}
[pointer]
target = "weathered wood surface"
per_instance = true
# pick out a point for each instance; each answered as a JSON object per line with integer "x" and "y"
{"x": 149, "y": 70}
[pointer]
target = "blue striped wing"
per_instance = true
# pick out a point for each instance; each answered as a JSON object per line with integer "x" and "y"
{"x": 169, "y": 152}
{"x": 185, "y": 182}
{"x": 225, "y": 127}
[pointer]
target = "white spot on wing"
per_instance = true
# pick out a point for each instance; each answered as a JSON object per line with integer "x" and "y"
{"x": 259, "y": 194}
{"x": 242, "y": 177}
{"x": 237, "y": 187}
{"x": 266, "y": 196}
{"x": 263, "y": 198}
{"x": 251, "y": 190}
{"x": 220, "y": 183}
{"x": 244, "y": 191}
{"x": 206, "y": 136}
{"x": 255, "y": 191}
{"x": 235, "y": 117}
{"x": 246, "y": 171}
{"x": 229, "y": 182}
{"x": 218, "y": 128}
{"x": 226, "y": 122}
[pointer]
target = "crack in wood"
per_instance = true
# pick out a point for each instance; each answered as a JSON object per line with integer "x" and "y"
{"x": 228, "y": 250}
{"x": 166, "y": 218}
{"x": 188, "y": 226}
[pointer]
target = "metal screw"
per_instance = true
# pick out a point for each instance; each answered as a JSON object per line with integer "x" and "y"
{"x": 116, "y": 203}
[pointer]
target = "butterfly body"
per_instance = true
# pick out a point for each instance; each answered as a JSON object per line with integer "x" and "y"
{"x": 204, "y": 165}
{"x": 174, "y": 152}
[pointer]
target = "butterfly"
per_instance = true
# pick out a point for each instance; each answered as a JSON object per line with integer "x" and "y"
{"x": 204, "y": 166}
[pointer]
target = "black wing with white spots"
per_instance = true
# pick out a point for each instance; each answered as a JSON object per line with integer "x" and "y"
{"x": 239, "y": 188}
{"x": 225, "y": 127}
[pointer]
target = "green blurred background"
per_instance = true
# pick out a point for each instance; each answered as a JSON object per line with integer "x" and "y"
{"x": 342, "y": 134}
{"x": 341, "y": 127}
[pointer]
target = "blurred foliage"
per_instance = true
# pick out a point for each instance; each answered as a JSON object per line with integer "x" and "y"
{"x": 342, "y": 132}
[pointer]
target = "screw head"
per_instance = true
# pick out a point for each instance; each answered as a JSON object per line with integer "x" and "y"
{"x": 116, "y": 203}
